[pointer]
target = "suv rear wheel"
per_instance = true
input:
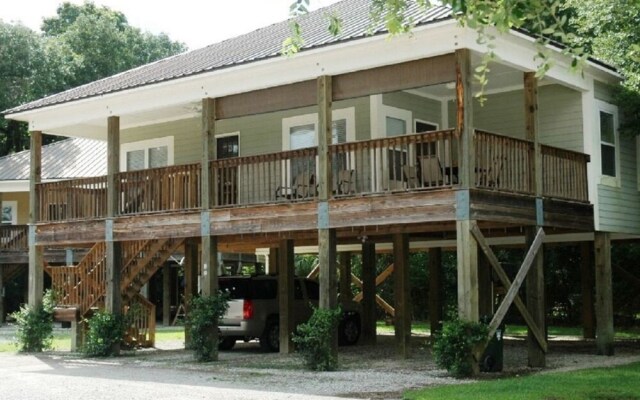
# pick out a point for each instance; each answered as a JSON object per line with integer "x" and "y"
{"x": 270, "y": 339}
{"x": 226, "y": 343}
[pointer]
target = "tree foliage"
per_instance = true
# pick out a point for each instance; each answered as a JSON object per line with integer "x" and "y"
{"x": 80, "y": 44}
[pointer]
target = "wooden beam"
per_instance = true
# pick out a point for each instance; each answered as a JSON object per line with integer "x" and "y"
{"x": 386, "y": 307}
{"x": 273, "y": 261}
{"x": 535, "y": 302}
{"x": 36, "y": 271}
{"x": 286, "y": 97}
{"x": 191, "y": 282}
{"x": 506, "y": 282}
{"x": 166, "y": 294}
{"x": 285, "y": 294}
{"x": 485, "y": 286}
{"x": 402, "y": 294}
{"x": 531, "y": 129}
{"x": 113, "y": 302}
{"x": 512, "y": 292}
{"x": 207, "y": 188}
{"x": 396, "y": 77}
{"x": 346, "y": 294}
{"x": 586, "y": 285}
{"x": 2, "y": 291}
{"x": 467, "y": 250}
{"x": 435, "y": 290}
{"x": 464, "y": 118}
{"x": 368, "y": 336}
{"x": 209, "y": 278}
{"x": 328, "y": 268}
{"x": 604, "y": 294}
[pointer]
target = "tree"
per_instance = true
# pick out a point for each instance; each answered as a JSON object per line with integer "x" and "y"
{"x": 80, "y": 44}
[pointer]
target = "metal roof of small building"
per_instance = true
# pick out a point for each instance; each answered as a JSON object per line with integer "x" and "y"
{"x": 258, "y": 45}
{"x": 70, "y": 158}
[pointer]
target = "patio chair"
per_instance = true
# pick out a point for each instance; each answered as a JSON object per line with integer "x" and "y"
{"x": 304, "y": 186}
{"x": 431, "y": 171}
{"x": 410, "y": 173}
{"x": 345, "y": 182}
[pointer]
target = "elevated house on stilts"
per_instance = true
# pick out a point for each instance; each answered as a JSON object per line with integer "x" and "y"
{"x": 357, "y": 140}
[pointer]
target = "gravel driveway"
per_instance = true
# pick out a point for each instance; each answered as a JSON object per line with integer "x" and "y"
{"x": 365, "y": 371}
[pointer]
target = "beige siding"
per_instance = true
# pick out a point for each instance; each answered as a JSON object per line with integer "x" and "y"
{"x": 560, "y": 116}
{"x": 620, "y": 207}
{"x": 22, "y": 199}
{"x": 422, "y": 108}
{"x": 186, "y": 137}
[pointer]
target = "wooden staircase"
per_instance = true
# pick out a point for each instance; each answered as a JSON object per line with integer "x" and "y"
{"x": 14, "y": 238}
{"x": 84, "y": 286}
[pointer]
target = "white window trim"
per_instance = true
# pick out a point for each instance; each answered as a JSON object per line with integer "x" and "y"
{"x": 348, "y": 114}
{"x": 14, "y": 216}
{"x": 613, "y": 181}
{"x": 145, "y": 145}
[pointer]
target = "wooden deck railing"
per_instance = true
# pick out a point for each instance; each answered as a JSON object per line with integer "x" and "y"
{"x": 404, "y": 163}
{"x": 14, "y": 238}
{"x": 503, "y": 163}
{"x": 83, "y": 198}
{"x": 141, "y": 319}
{"x": 160, "y": 189}
{"x": 564, "y": 174}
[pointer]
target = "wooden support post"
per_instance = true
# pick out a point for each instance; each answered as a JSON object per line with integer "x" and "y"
{"x": 36, "y": 269}
{"x": 535, "y": 302}
{"x": 273, "y": 261}
{"x": 464, "y": 119}
{"x": 402, "y": 294}
{"x": 435, "y": 290}
{"x": 604, "y": 294}
{"x": 586, "y": 284}
{"x": 191, "y": 282}
{"x": 77, "y": 335}
{"x": 209, "y": 278}
{"x": 1, "y": 292}
{"x": 286, "y": 271}
{"x": 368, "y": 336}
{"x": 113, "y": 298}
{"x": 485, "y": 286}
{"x": 467, "y": 249}
{"x": 166, "y": 294}
{"x": 346, "y": 295}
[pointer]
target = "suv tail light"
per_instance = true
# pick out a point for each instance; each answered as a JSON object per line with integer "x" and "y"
{"x": 247, "y": 309}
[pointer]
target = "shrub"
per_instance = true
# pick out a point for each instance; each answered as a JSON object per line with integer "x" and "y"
{"x": 203, "y": 316}
{"x": 106, "y": 331}
{"x": 453, "y": 347}
{"x": 314, "y": 339}
{"x": 35, "y": 325}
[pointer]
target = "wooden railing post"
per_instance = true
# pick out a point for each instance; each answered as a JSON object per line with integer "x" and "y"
{"x": 113, "y": 302}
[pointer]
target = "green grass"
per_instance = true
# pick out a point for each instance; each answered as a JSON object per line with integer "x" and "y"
{"x": 617, "y": 383}
{"x": 169, "y": 333}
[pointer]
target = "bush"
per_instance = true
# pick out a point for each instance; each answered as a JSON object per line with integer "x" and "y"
{"x": 453, "y": 347}
{"x": 203, "y": 316}
{"x": 106, "y": 331}
{"x": 314, "y": 338}
{"x": 35, "y": 325}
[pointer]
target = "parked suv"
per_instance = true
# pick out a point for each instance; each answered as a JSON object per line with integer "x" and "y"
{"x": 253, "y": 311}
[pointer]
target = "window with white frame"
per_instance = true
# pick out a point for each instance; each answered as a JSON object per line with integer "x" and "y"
{"x": 609, "y": 143}
{"x": 9, "y": 212}
{"x": 146, "y": 154}
{"x": 300, "y": 132}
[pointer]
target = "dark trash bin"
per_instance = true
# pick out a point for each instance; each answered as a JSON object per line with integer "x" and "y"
{"x": 492, "y": 358}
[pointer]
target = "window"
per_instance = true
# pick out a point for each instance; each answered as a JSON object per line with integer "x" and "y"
{"x": 607, "y": 144}
{"x": 9, "y": 212}
{"x": 300, "y": 132}
{"x": 145, "y": 154}
{"x": 607, "y": 125}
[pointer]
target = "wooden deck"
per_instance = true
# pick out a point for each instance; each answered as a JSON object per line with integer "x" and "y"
{"x": 407, "y": 181}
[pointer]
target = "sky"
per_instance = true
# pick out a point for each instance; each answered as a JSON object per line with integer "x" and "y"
{"x": 195, "y": 22}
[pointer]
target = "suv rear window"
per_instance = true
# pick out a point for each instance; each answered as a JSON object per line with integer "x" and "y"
{"x": 244, "y": 288}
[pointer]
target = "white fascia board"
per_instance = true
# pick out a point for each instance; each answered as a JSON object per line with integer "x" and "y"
{"x": 360, "y": 54}
{"x": 14, "y": 186}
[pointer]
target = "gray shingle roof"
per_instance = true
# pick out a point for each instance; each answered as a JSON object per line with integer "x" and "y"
{"x": 258, "y": 45}
{"x": 70, "y": 158}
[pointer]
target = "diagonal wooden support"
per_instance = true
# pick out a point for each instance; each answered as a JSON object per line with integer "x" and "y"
{"x": 388, "y": 308}
{"x": 512, "y": 294}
